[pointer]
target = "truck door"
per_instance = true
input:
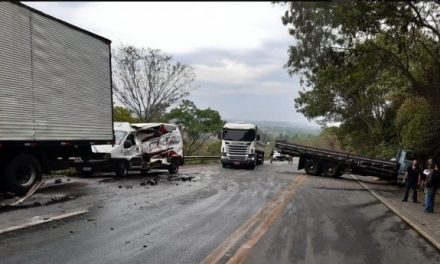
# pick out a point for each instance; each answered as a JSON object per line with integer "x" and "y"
{"x": 130, "y": 148}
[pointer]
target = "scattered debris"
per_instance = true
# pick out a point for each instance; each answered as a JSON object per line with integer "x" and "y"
{"x": 127, "y": 242}
{"x": 145, "y": 246}
{"x": 152, "y": 182}
{"x": 111, "y": 228}
{"x": 68, "y": 180}
{"x": 142, "y": 184}
{"x": 128, "y": 187}
{"x": 90, "y": 220}
{"x": 71, "y": 232}
{"x": 29, "y": 194}
{"x": 58, "y": 181}
{"x": 119, "y": 186}
{"x": 37, "y": 204}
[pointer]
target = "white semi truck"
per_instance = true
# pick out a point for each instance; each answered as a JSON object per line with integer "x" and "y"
{"x": 55, "y": 95}
{"x": 241, "y": 145}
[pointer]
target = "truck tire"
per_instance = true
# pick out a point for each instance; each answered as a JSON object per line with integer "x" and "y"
{"x": 22, "y": 173}
{"x": 312, "y": 167}
{"x": 121, "y": 169}
{"x": 330, "y": 170}
{"x": 173, "y": 168}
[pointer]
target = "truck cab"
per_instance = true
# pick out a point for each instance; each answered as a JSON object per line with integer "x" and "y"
{"x": 138, "y": 146}
{"x": 241, "y": 145}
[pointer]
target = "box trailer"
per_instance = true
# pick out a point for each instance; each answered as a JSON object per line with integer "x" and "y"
{"x": 55, "y": 94}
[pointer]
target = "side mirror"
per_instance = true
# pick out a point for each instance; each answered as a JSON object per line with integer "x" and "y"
{"x": 219, "y": 135}
{"x": 127, "y": 144}
{"x": 258, "y": 137}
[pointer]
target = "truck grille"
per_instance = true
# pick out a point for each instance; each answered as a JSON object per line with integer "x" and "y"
{"x": 237, "y": 150}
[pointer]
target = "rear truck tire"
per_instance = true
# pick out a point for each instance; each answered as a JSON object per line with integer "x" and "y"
{"x": 22, "y": 173}
{"x": 121, "y": 169}
{"x": 312, "y": 167}
{"x": 330, "y": 170}
{"x": 173, "y": 168}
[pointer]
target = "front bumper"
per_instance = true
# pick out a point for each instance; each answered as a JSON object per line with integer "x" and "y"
{"x": 248, "y": 160}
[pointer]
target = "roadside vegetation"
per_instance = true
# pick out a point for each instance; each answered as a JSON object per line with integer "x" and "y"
{"x": 372, "y": 67}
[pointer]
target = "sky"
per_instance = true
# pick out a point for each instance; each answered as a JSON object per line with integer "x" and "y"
{"x": 237, "y": 49}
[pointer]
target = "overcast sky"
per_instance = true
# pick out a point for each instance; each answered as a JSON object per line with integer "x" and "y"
{"x": 237, "y": 49}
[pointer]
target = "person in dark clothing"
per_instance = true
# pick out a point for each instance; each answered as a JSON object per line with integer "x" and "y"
{"x": 432, "y": 184}
{"x": 411, "y": 180}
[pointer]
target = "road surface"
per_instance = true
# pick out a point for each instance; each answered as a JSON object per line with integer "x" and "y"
{"x": 273, "y": 214}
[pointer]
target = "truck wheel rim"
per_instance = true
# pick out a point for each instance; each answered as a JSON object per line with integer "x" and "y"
{"x": 25, "y": 175}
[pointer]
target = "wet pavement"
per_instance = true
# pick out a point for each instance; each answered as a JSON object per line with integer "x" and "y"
{"x": 285, "y": 218}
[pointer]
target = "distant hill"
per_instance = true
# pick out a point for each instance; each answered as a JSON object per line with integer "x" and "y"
{"x": 275, "y": 127}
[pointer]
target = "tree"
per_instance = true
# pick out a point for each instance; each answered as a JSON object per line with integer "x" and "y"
{"x": 121, "y": 114}
{"x": 359, "y": 71}
{"x": 404, "y": 36}
{"x": 198, "y": 125}
{"x": 148, "y": 82}
{"x": 418, "y": 128}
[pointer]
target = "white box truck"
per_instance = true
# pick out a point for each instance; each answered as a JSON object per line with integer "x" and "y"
{"x": 241, "y": 145}
{"x": 138, "y": 146}
{"x": 55, "y": 94}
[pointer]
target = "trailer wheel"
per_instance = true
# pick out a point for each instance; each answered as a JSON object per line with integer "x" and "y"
{"x": 121, "y": 169}
{"x": 173, "y": 168}
{"x": 330, "y": 170}
{"x": 311, "y": 167}
{"x": 22, "y": 173}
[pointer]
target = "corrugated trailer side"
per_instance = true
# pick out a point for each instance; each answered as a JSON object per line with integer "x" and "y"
{"x": 55, "y": 80}
{"x": 55, "y": 94}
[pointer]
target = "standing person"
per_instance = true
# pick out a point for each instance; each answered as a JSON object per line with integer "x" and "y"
{"x": 271, "y": 156}
{"x": 423, "y": 176}
{"x": 432, "y": 184}
{"x": 411, "y": 179}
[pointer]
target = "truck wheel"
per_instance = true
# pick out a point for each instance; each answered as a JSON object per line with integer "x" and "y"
{"x": 330, "y": 170}
{"x": 22, "y": 173}
{"x": 173, "y": 168}
{"x": 311, "y": 167}
{"x": 121, "y": 169}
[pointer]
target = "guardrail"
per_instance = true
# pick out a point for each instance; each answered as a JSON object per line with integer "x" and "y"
{"x": 201, "y": 157}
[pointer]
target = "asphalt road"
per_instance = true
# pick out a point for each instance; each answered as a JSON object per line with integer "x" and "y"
{"x": 272, "y": 214}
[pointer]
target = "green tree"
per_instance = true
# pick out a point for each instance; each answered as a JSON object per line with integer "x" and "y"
{"x": 121, "y": 114}
{"x": 418, "y": 128}
{"x": 359, "y": 71}
{"x": 198, "y": 125}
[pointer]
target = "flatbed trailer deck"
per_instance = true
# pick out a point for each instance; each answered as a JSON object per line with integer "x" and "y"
{"x": 335, "y": 163}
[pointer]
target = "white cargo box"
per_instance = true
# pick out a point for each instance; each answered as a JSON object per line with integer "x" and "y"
{"x": 55, "y": 79}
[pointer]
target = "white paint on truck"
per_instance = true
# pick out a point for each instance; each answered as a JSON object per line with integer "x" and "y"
{"x": 241, "y": 145}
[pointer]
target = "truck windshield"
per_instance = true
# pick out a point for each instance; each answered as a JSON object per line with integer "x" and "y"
{"x": 239, "y": 135}
{"x": 119, "y": 136}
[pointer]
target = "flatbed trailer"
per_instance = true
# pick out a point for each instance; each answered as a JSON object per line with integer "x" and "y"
{"x": 316, "y": 161}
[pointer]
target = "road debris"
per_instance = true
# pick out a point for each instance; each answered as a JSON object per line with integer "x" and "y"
{"x": 31, "y": 191}
{"x": 58, "y": 181}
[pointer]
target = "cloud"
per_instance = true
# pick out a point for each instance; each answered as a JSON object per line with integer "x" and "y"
{"x": 237, "y": 49}
{"x": 176, "y": 26}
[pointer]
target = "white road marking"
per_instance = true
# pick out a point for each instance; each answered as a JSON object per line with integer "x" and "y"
{"x": 36, "y": 220}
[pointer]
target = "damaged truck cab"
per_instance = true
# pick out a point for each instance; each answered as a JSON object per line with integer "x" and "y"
{"x": 138, "y": 146}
